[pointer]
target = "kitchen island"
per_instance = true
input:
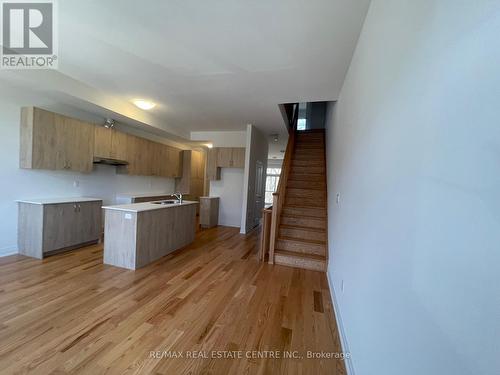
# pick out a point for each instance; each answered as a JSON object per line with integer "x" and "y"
{"x": 140, "y": 233}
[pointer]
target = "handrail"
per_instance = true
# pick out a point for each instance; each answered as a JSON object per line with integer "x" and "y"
{"x": 279, "y": 195}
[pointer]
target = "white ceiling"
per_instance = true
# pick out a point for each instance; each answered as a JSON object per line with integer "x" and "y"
{"x": 209, "y": 65}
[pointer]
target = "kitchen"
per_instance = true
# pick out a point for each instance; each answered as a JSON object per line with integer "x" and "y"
{"x": 46, "y": 226}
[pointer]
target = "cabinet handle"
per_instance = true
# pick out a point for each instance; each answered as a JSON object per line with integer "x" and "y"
{"x": 79, "y": 208}
{"x": 74, "y": 207}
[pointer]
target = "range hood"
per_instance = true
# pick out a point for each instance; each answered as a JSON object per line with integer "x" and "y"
{"x": 99, "y": 160}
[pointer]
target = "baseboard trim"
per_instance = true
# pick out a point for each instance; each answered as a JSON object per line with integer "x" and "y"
{"x": 340, "y": 325}
{"x": 10, "y": 250}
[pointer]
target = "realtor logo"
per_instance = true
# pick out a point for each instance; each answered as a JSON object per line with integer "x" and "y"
{"x": 28, "y": 35}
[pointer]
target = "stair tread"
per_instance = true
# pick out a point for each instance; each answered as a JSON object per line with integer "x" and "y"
{"x": 301, "y": 240}
{"x": 301, "y": 227}
{"x": 299, "y": 255}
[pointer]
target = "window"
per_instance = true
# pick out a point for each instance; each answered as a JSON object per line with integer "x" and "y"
{"x": 272, "y": 179}
{"x": 301, "y": 124}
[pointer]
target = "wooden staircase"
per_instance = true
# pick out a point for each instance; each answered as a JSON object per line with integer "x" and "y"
{"x": 301, "y": 234}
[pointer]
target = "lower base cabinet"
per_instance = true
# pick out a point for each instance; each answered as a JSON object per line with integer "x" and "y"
{"x": 45, "y": 228}
{"x": 209, "y": 212}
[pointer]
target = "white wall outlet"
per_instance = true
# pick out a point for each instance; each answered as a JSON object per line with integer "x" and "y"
{"x": 337, "y": 199}
{"x": 76, "y": 183}
{"x": 128, "y": 216}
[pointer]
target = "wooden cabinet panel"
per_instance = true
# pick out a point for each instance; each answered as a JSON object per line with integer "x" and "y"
{"x": 156, "y": 165}
{"x": 118, "y": 145}
{"x": 224, "y": 157}
{"x": 53, "y": 141}
{"x": 213, "y": 171}
{"x": 110, "y": 143}
{"x": 139, "y": 157}
{"x": 238, "y": 157}
{"x": 209, "y": 212}
{"x": 60, "y": 226}
{"x": 174, "y": 162}
{"x": 38, "y": 142}
{"x": 79, "y": 145}
{"x": 192, "y": 181}
{"x": 88, "y": 221}
{"x": 102, "y": 142}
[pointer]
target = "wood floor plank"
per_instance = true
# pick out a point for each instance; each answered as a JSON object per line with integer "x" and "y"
{"x": 71, "y": 314}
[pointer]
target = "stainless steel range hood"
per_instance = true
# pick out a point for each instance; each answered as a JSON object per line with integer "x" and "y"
{"x": 99, "y": 160}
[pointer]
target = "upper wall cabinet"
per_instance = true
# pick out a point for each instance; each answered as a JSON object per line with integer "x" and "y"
{"x": 53, "y": 141}
{"x": 148, "y": 158}
{"x": 230, "y": 157}
{"x": 224, "y": 157}
{"x": 110, "y": 143}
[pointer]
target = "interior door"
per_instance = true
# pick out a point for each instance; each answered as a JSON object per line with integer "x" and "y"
{"x": 259, "y": 192}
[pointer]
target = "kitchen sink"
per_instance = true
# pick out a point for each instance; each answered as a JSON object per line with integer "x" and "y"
{"x": 170, "y": 201}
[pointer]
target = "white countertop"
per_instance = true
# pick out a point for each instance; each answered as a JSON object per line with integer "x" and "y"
{"x": 146, "y": 206}
{"x": 141, "y": 195}
{"x": 58, "y": 200}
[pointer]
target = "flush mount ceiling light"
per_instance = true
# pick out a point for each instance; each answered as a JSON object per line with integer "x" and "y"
{"x": 144, "y": 104}
{"x": 209, "y": 145}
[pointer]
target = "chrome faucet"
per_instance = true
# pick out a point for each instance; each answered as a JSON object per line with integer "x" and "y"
{"x": 178, "y": 196}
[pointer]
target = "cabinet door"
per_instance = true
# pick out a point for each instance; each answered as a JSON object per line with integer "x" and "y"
{"x": 53, "y": 141}
{"x": 60, "y": 226}
{"x": 224, "y": 157}
{"x": 79, "y": 144}
{"x": 139, "y": 156}
{"x": 41, "y": 138}
{"x": 174, "y": 164}
{"x": 88, "y": 221}
{"x": 213, "y": 172}
{"x": 238, "y": 157}
{"x": 155, "y": 158}
{"x": 118, "y": 145}
{"x": 102, "y": 142}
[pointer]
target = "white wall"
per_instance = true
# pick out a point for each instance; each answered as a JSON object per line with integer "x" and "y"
{"x": 257, "y": 151}
{"x": 414, "y": 151}
{"x": 16, "y": 183}
{"x": 230, "y": 191}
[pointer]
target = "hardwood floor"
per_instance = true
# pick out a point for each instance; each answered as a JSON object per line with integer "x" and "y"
{"x": 69, "y": 313}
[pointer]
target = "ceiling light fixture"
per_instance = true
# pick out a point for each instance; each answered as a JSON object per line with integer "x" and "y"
{"x": 209, "y": 145}
{"x": 144, "y": 104}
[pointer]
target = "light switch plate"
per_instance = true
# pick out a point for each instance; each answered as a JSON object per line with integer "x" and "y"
{"x": 128, "y": 216}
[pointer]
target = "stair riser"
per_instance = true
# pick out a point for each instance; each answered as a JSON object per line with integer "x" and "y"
{"x": 309, "y": 151}
{"x": 305, "y": 193}
{"x": 309, "y": 146}
{"x": 302, "y": 234}
{"x": 305, "y": 202}
{"x": 301, "y": 247}
{"x": 308, "y": 163}
{"x": 319, "y": 185}
{"x": 309, "y": 158}
{"x": 308, "y": 137}
{"x": 304, "y": 222}
{"x": 303, "y": 211}
{"x": 307, "y": 264}
{"x": 306, "y": 177}
{"x": 308, "y": 170}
